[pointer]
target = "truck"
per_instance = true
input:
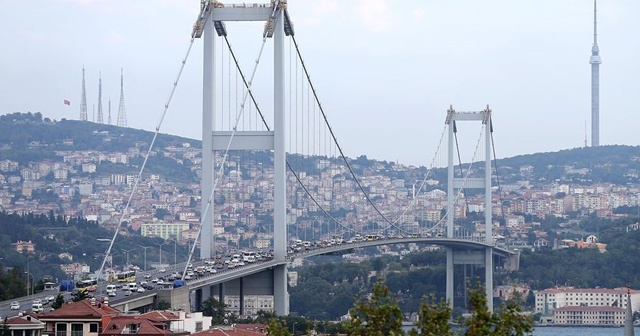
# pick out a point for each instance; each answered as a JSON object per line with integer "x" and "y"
{"x": 67, "y": 285}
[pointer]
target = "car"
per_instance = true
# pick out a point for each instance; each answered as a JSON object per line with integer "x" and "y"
{"x": 37, "y": 308}
{"x": 112, "y": 294}
{"x": 37, "y": 301}
{"x": 162, "y": 270}
{"x": 147, "y": 276}
{"x": 128, "y": 293}
{"x": 50, "y": 298}
{"x": 15, "y": 305}
{"x": 140, "y": 290}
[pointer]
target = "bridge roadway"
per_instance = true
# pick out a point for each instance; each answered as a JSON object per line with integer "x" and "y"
{"x": 221, "y": 276}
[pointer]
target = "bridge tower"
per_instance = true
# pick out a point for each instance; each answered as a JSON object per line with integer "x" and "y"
{"x": 215, "y": 15}
{"x": 465, "y": 257}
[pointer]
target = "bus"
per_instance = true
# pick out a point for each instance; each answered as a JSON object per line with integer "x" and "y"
{"x": 126, "y": 276}
{"x": 88, "y": 285}
{"x": 371, "y": 237}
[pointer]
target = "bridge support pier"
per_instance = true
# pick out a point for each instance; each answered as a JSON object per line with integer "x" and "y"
{"x": 449, "y": 281}
{"x": 199, "y": 299}
{"x": 488, "y": 277}
{"x": 280, "y": 293}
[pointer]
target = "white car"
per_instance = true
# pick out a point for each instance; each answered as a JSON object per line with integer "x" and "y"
{"x": 162, "y": 270}
{"x": 15, "y": 305}
{"x": 140, "y": 290}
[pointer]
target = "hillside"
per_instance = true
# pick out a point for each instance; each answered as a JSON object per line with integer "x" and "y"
{"x": 28, "y": 137}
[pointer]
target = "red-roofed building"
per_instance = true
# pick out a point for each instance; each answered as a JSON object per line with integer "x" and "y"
{"x": 82, "y": 318}
{"x": 235, "y": 330}
{"x": 24, "y": 326}
{"x": 140, "y": 326}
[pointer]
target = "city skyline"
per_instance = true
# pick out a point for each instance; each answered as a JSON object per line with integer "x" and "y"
{"x": 380, "y": 68}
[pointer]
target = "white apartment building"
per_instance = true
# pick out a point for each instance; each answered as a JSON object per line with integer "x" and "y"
{"x": 549, "y": 300}
{"x": 593, "y": 315}
{"x": 163, "y": 230}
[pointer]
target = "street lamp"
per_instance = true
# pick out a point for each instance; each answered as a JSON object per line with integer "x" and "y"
{"x": 30, "y": 283}
{"x": 175, "y": 251}
{"x": 160, "y": 248}
{"x": 145, "y": 255}
{"x": 127, "y": 253}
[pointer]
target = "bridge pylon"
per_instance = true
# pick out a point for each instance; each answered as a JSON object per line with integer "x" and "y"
{"x": 213, "y": 17}
{"x": 456, "y": 256}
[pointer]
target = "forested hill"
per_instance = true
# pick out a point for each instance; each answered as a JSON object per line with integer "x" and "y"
{"x": 27, "y": 137}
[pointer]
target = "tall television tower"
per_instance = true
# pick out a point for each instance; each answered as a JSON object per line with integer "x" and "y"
{"x": 122, "y": 114}
{"x": 595, "y": 82}
{"x": 100, "y": 119}
{"x": 83, "y": 100}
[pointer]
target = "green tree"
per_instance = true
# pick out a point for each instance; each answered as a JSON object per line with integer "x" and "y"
{"x": 376, "y": 315}
{"x": 79, "y": 295}
{"x": 276, "y": 327}
{"x": 507, "y": 322}
{"x": 58, "y": 302}
{"x": 433, "y": 318}
{"x": 215, "y": 309}
{"x": 163, "y": 305}
{"x": 4, "y": 328}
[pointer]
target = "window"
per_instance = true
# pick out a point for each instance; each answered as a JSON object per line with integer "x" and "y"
{"x": 77, "y": 329}
{"x": 61, "y": 329}
{"x": 199, "y": 326}
{"x": 93, "y": 327}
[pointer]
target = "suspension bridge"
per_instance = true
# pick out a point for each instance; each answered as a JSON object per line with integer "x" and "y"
{"x": 315, "y": 191}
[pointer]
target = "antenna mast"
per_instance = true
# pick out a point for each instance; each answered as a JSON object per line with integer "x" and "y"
{"x": 122, "y": 114}
{"x": 83, "y": 100}
{"x": 100, "y": 120}
{"x": 109, "y": 118}
{"x": 595, "y": 81}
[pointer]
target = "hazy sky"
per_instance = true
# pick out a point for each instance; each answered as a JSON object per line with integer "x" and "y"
{"x": 386, "y": 71}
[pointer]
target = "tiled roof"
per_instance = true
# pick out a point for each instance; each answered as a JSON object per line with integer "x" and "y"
{"x": 23, "y": 320}
{"x": 615, "y": 291}
{"x": 142, "y": 327}
{"x": 80, "y": 310}
{"x": 235, "y": 330}
{"x": 159, "y": 315}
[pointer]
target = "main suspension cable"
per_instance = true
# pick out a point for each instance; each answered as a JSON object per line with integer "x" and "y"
{"x": 146, "y": 158}
{"x": 264, "y": 121}
{"x": 344, "y": 158}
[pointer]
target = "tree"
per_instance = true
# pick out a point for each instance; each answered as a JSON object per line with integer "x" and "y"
{"x": 79, "y": 295}
{"x": 434, "y": 318}
{"x": 376, "y": 314}
{"x": 508, "y": 322}
{"x": 163, "y": 305}
{"x": 215, "y": 309}
{"x": 58, "y": 302}
{"x": 276, "y": 327}
{"x": 4, "y": 328}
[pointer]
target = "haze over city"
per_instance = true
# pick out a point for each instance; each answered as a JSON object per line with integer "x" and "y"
{"x": 386, "y": 72}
